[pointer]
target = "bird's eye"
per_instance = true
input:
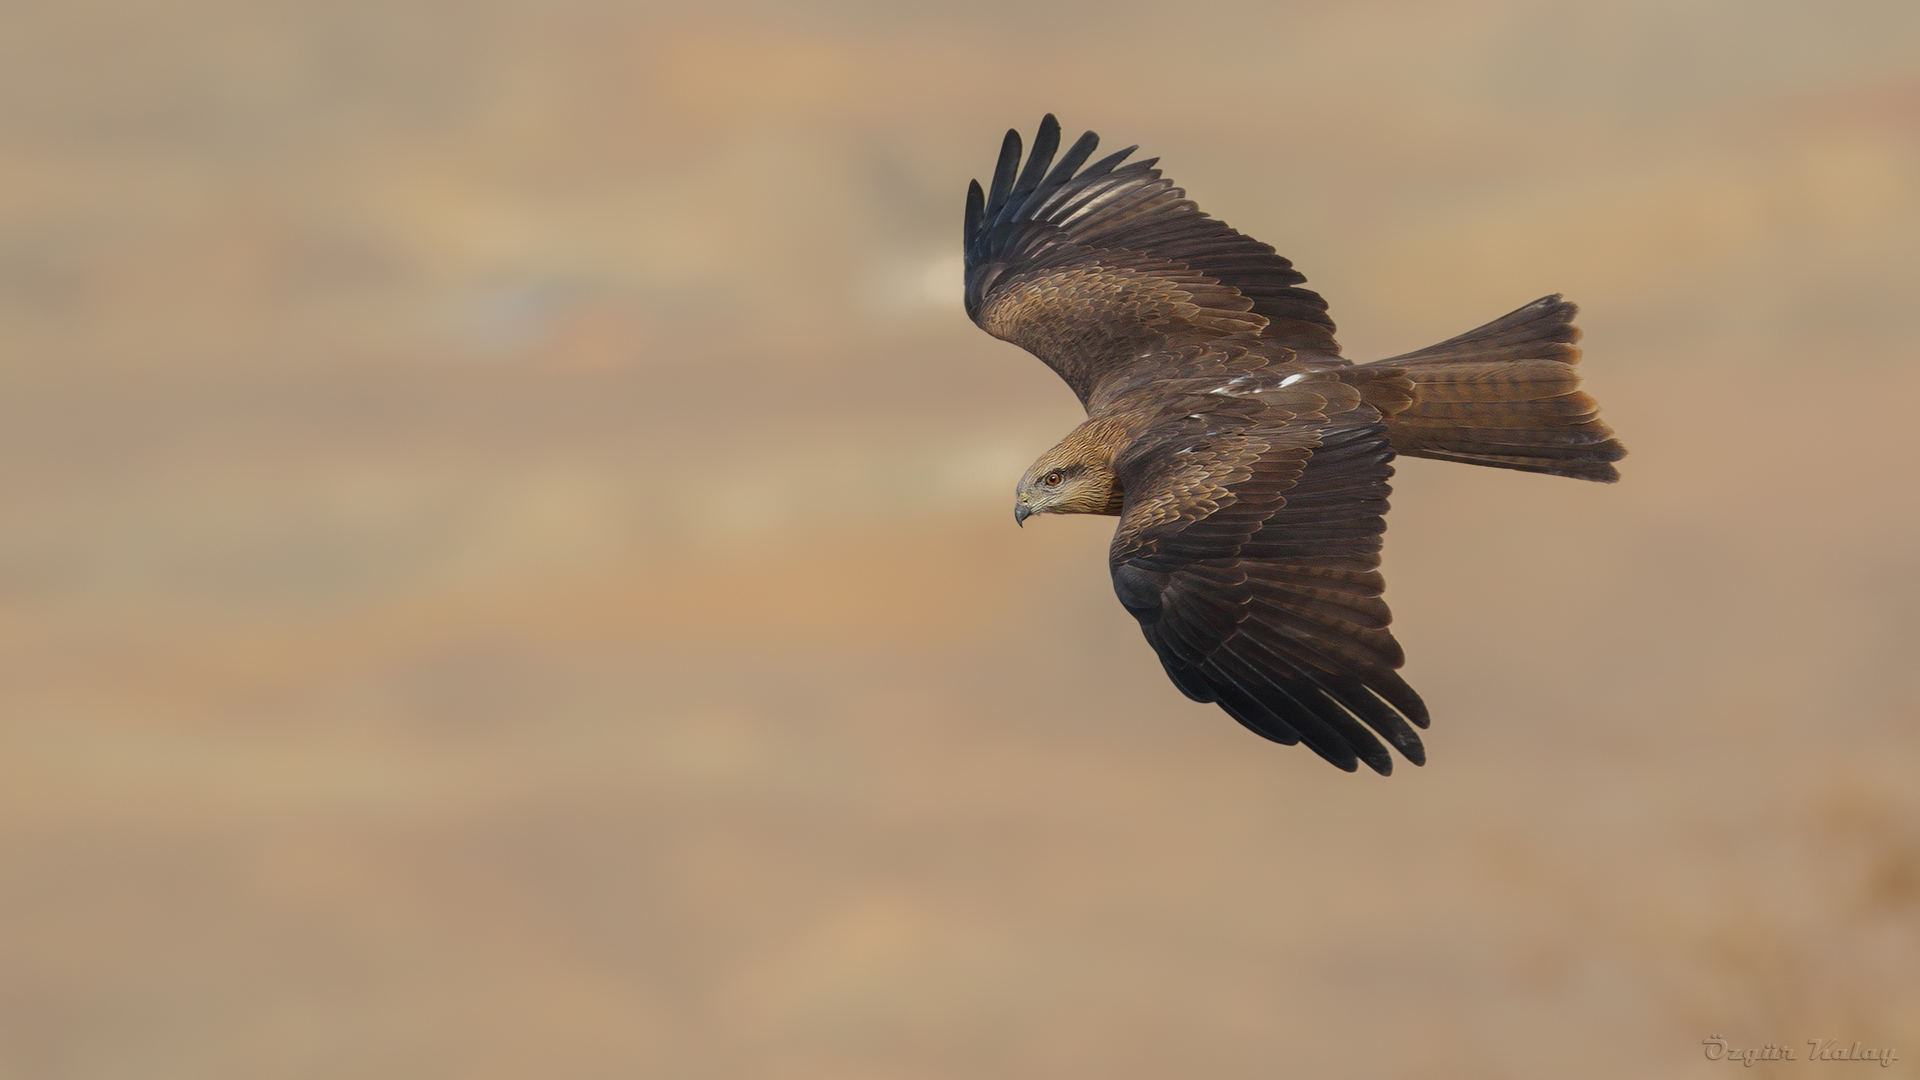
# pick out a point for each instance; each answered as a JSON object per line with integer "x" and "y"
{"x": 1053, "y": 479}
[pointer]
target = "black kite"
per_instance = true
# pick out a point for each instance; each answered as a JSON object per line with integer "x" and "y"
{"x": 1246, "y": 459}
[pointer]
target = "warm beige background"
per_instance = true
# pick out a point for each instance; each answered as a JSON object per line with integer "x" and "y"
{"x": 507, "y": 566}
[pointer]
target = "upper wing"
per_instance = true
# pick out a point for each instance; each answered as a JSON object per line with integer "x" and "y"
{"x": 1250, "y": 556}
{"x": 1085, "y": 268}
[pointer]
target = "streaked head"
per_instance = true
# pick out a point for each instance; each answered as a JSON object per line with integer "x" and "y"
{"x": 1065, "y": 482}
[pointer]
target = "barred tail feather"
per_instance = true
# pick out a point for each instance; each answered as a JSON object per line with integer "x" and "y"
{"x": 1506, "y": 395}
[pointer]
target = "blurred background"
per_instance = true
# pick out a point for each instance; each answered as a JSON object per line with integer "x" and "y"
{"x": 507, "y": 569}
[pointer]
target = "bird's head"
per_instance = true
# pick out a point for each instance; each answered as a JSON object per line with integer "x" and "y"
{"x": 1064, "y": 481}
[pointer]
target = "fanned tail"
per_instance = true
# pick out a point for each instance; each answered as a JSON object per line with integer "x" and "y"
{"x": 1506, "y": 395}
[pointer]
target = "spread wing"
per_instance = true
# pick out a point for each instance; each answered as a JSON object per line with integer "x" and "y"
{"x": 1087, "y": 268}
{"x": 1249, "y": 552}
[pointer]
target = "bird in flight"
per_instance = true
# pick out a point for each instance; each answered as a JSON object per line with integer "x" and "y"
{"x": 1246, "y": 459}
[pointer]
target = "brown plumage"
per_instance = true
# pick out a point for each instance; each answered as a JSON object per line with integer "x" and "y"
{"x": 1246, "y": 459}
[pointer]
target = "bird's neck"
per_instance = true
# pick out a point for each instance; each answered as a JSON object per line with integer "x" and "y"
{"x": 1096, "y": 444}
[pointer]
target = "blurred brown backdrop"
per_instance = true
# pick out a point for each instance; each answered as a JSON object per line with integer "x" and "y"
{"x": 507, "y": 570}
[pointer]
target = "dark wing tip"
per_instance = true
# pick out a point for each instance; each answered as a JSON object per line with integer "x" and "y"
{"x": 976, "y": 212}
{"x": 1046, "y": 142}
{"x": 1017, "y": 193}
{"x": 1107, "y": 164}
{"x": 1003, "y": 171}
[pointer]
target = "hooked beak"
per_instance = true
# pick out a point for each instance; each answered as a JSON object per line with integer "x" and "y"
{"x": 1021, "y": 512}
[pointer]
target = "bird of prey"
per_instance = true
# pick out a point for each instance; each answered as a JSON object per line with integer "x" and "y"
{"x": 1246, "y": 459}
